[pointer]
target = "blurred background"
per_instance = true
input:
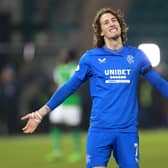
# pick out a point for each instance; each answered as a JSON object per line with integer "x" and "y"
{"x": 35, "y": 36}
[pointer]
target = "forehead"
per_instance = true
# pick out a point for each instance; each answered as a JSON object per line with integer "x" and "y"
{"x": 107, "y": 16}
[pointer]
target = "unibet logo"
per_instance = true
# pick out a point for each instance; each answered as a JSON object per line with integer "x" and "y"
{"x": 117, "y": 75}
{"x": 117, "y": 72}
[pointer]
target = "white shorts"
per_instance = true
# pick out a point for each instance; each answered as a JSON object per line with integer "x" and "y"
{"x": 69, "y": 115}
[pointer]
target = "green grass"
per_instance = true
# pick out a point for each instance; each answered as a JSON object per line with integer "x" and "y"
{"x": 29, "y": 151}
{"x": 154, "y": 149}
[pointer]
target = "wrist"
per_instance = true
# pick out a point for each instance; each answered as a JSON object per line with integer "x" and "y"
{"x": 36, "y": 116}
{"x": 43, "y": 111}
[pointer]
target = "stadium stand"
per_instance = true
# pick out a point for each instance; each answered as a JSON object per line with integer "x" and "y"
{"x": 148, "y": 22}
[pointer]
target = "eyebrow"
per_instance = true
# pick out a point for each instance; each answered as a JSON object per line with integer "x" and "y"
{"x": 113, "y": 18}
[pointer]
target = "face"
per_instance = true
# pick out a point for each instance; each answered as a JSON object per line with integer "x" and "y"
{"x": 110, "y": 27}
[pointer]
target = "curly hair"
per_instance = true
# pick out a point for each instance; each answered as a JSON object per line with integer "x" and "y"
{"x": 98, "y": 40}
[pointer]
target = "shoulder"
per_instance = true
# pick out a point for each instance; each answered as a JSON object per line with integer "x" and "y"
{"x": 92, "y": 52}
{"x": 96, "y": 51}
{"x": 133, "y": 49}
{"x": 136, "y": 51}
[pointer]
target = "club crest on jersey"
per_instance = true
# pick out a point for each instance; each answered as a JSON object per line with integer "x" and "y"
{"x": 102, "y": 61}
{"x": 130, "y": 59}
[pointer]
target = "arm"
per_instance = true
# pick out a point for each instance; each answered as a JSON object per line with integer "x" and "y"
{"x": 35, "y": 118}
{"x": 63, "y": 92}
{"x": 157, "y": 81}
{"x": 151, "y": 75}
{"x": 80, "y": 75}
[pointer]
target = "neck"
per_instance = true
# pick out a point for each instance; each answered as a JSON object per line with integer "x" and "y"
{"x": 114, "y": 44}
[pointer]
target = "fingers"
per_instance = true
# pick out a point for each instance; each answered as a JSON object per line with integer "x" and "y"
{"x": 33, "y": 121}
{"x": 27, "y": 116}
{"x": 30, "y": 126}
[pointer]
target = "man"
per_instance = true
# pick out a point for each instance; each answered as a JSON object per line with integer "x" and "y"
{"x": 10, "y": 88}
{"x": 63, "y": 114}
{"x": 113, "y": 70}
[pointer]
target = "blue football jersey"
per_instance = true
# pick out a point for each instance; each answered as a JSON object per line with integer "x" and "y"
{"x": 114, "y": 78}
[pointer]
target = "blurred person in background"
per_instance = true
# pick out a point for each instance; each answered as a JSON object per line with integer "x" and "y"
{"x": 68, "y": 114}
{"x": 113, "y": 69}
{"x": 9, "y": 98}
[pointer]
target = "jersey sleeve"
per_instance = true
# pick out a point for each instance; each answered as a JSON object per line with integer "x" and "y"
{"x": 158, "y": 82}
{"x": 69, "y": 87}
{"x": 152, "y": 76}
{"x": 83, "y": 69}
{"x": 145, "y": 65}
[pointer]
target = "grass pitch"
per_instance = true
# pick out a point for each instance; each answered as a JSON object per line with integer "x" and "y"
{"x": 30, "y": 151}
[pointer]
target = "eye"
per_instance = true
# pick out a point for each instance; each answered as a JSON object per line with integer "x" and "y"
{"x": 114, "y": 20}
{"x": 105, "y": 22}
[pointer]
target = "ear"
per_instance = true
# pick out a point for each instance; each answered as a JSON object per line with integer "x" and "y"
{"x": 101, "y": 34}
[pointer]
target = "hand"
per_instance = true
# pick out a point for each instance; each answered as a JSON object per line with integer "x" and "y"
{"x": 34, "y": 120}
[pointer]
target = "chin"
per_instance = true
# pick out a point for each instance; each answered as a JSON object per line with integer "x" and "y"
{"x": 116, "y": 37}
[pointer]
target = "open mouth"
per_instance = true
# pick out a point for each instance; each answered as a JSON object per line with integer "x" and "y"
{"x": 113, "y": 30}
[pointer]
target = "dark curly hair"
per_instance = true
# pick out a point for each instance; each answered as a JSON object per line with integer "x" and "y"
{"x": 98, "y": 40}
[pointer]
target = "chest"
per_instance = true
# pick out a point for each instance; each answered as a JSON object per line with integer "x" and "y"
{"x": 115, "y": 68}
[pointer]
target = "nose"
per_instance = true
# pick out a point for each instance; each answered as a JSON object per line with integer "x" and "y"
{"x": 111, "y": 23}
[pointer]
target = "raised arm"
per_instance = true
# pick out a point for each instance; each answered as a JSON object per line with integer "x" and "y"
{"x": 157, "y": 81}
